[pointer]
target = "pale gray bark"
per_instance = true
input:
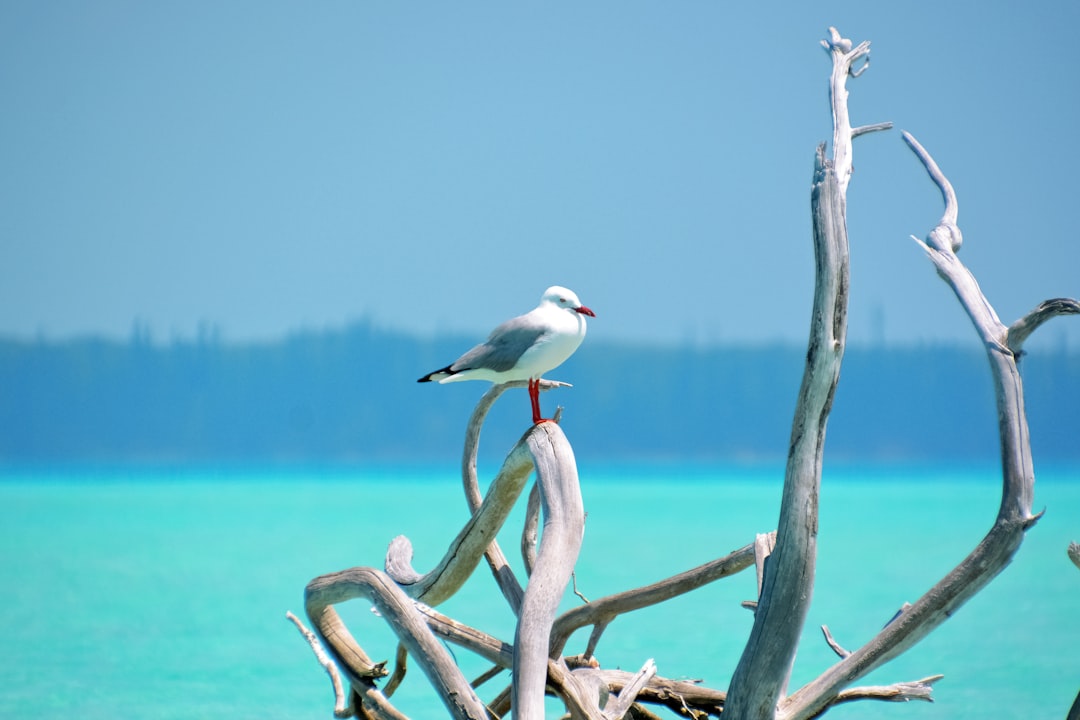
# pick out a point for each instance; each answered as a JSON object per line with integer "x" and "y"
{"x": 560, "y": 542}
{"x": 399, "y": 611}
{"x": 1014, "y": 517}
{"x": 472, "y": 543}
{"x": 788, "y": 580}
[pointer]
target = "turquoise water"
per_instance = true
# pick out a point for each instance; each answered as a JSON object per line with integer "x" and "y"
{"x": 163, "y": 594}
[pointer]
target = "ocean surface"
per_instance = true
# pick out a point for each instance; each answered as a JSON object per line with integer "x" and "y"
{"x": 162, "y": 593}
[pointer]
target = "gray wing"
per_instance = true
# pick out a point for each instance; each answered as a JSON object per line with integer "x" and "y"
{"x": 506, "y": 344}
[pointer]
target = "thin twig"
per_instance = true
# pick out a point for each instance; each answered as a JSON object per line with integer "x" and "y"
{"x": 833, "y": 644}
{"x": 873, "y": 127}
{"x": 341, "y": 709}
{"x": 400, "y": 668}
{"x": 573, "y": 579}
{"x": 493, "y": 671}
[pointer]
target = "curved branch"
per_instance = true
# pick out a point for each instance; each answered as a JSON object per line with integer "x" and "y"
{"x": 948, "y": 194}
{"x": 341, "y": 708}
{"x": 1020, "y": 330}
{"x": 472, "y": 542}
{"x": 942, "y": 244}
{"x": 324, "y": 592}
{"x": 500, "y": 567}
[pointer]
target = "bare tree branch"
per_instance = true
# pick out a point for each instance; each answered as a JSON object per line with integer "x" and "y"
{"x": 471, "y": 544}
{"x": 564, "y": 526}
{"x": 897, "y": 692}
{"x": 1014, "y": 517}
{"x": 401, "y": 666}
{"x": 836, "y": 648}
{"x": 788, "y": 581}
{"x": 341, "y": 708}
{"x": 1020, "y": 330}
{"x": 530, "y": 529}
{"x": 409, "y": 625}
{"x": 602, "y": 610}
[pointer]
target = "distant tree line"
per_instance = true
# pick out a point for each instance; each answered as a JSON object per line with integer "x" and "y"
{"x": 350, "y": 396}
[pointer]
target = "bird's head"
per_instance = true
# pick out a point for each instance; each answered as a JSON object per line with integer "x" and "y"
{"x": 565, "y": 298}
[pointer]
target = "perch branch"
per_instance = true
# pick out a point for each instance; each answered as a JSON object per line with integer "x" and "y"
{"x": 564, "y": 525}
{"x": 341, "y": 708}
{"x": 500, "y": 567}
{"x": 1014, "y": 517}
{"x": 529, "y": 531}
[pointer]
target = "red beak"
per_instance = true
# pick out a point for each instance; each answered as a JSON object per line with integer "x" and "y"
{"x": 585, "y": 311}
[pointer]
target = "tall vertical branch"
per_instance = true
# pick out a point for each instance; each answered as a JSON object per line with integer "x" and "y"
{"x": 765, "y": 666}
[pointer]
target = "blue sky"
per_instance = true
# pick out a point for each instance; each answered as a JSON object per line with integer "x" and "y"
{"x": 262, "y": 167}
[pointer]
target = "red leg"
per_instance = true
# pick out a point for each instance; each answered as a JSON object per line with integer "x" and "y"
{"x": 534, "y": 398}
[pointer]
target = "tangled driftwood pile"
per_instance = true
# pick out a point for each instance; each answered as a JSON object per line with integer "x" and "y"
{"x": 785, "y": 560}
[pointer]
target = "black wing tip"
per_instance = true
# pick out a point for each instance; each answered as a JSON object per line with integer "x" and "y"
{"x": 430, "y": 377}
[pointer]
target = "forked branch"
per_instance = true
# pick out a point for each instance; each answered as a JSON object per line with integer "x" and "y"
{"x": 1014, "y": 517}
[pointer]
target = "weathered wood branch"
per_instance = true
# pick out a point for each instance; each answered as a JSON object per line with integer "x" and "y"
{"x": 471, "y": 544}
{"x": 496, "y": 559}
{"x": 500, "y": 567}
{"x": 897, "y": 692}
{"x": 615, "y": 709}
{"x": 1014, "y": 517}
{"x": 530, "y": 529}
{"x": 678, "y": 695}
{"x": 560, "y": 543}
{"x": 788, "y": 580}
{"x": 603, "y": 610}
{"x": 412, "y": 630}
{"x": 1020, "y": 330}
{"x": 342, "y": 709}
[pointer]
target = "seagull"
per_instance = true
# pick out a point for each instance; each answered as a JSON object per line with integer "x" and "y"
{"x": 525, "y": 347}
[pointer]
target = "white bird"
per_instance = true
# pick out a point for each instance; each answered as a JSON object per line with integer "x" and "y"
{"x": 525, "y": 347}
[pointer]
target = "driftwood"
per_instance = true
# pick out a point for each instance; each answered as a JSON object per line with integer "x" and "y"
{"x": 784, "y": 560}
